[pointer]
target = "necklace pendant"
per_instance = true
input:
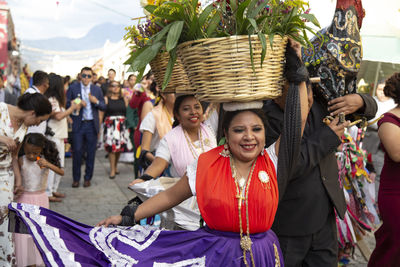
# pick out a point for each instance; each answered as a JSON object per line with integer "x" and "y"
{"x": 245, "y": 243}
{"x": 241, "y": 182}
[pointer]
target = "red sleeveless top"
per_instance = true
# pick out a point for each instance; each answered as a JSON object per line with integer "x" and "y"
{"x": 216, "y": 194}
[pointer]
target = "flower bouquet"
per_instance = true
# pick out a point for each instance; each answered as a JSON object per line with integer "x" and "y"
{"x": 231, "y": 49}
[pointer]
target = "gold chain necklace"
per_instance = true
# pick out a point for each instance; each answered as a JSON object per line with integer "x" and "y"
{"x": 191, "y": 146}
{"x": 245, "y": 241}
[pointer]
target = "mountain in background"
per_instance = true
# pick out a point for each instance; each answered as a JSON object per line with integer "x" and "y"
{"x": 95, "y": 38}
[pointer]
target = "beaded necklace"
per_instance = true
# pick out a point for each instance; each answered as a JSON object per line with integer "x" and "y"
{"x": 242, "y": 193}
{"x": 191, "y": 145}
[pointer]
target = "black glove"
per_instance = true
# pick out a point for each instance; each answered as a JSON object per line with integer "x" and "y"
{"x": 128, "y": 212}
{"x": 143, "y": 161}
{"x": 295, "y": 71}
{"x": 146, "y": 177}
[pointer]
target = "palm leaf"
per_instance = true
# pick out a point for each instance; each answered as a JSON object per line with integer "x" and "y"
{"x": 263, "y": 41}
{"x": 173, "y": 35}
{"x": 147, "y": 55}
{"x": 170, "y": 67}
{"x": 311, "y": 18}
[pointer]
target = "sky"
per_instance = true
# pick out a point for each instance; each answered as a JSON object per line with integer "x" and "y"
{"x": 42, "y": 19}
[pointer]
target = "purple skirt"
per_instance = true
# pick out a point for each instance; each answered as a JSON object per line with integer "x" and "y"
{"x": 64, "y": 242}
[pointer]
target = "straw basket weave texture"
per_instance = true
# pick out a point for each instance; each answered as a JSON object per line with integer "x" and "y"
{"x": 178, "y": 83}
{"x": 220, "y": 68}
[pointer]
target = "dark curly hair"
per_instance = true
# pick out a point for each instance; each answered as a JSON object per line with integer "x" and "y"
{"x": 50, "y": 151}
{"x": 36, "y": 102}
{"x": 392, "y": 87}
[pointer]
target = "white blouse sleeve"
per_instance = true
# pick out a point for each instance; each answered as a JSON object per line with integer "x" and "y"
{"x": 148, "y": 123}
{"x": 191, "y": 170}
{"x": 212, "y": 121}
{"x": 163, "y": 151}
{"x": 272, "y": 155}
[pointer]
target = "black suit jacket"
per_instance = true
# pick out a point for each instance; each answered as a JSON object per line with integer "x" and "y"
{"x": 317, "y": 158}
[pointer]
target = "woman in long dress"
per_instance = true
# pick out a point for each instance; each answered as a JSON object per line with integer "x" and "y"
{"x": 31, "y": 109}
{"x": 387, "y": 251}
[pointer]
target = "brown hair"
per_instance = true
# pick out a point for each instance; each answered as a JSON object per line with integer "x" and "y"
{"x": 392, "y": 87}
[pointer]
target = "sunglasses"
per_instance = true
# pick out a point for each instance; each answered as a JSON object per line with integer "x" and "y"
{"x": 114, "y": 85}
{"x": 86, "y": 76}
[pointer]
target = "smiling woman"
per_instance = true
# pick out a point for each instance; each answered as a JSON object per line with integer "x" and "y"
{"x": 184, "y": 143}
{"x": 238, "y": 214}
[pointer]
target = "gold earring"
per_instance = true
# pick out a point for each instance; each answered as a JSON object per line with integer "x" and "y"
{"x": 225, "y": 152}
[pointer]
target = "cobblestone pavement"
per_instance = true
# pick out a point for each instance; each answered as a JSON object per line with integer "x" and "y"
{"x": 103, "y": 198}
{"x": 106, "y": 197}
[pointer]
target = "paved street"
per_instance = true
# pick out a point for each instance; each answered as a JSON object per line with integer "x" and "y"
{"x": 106, "y": 197}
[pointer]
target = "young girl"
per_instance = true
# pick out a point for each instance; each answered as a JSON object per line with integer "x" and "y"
{"x": 39, "y": 155}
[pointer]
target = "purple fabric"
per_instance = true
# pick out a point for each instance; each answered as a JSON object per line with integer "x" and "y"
{"x": 64, "y": 242}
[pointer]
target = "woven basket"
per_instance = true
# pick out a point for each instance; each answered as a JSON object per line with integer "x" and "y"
{"x": 178, "y": 83}
{"x": 220, "y": 68}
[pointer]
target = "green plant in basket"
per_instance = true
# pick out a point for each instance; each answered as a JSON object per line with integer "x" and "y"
{"x": 178, "y": 21}
{"x": 266, "y": 18}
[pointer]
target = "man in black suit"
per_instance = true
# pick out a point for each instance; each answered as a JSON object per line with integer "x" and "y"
{"x": 6, "y": 96}
{"x": 85, "y": 126}
{"x": 305, "y": 220}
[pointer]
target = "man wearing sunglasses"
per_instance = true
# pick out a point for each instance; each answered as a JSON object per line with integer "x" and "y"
{"x": 85, "y": 126}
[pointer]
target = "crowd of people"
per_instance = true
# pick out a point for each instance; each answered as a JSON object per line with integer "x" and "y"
{"x": 255, "y": 211}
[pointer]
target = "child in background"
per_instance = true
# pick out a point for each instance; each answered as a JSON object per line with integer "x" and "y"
{"x": 38, "y": 156}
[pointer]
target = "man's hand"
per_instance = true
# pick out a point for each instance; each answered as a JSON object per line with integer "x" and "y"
{"x": 338, "y": 129}
{"x": 93, "y": 99}
{"x": 83, "y": 103}
{"x": 347, "y": 104}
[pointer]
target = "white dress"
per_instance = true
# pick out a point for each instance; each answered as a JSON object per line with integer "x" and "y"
{"x": 7, "y": 257}
{"x": 60, "y": 129}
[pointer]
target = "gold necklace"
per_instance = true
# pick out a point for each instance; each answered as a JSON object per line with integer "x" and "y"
{"x": 245, "y": 241}
{"x": 191, "y": 145}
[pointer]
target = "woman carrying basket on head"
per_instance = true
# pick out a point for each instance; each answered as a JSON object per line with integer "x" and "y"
{"x": 237, "y": 193}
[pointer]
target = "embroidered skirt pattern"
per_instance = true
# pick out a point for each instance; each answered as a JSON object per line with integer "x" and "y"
{"x": 64, "y": 242}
